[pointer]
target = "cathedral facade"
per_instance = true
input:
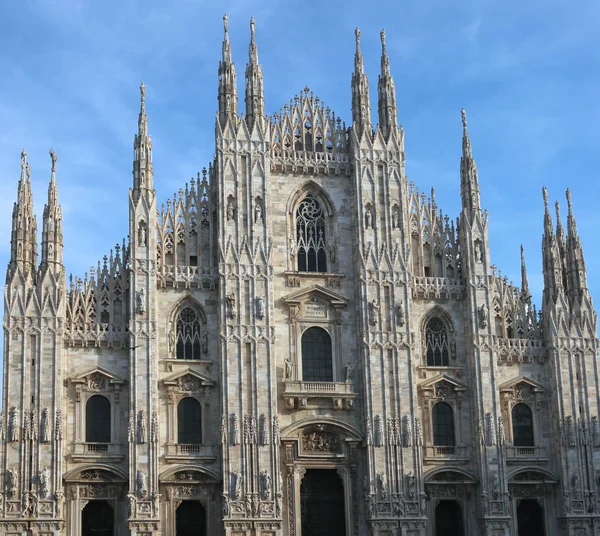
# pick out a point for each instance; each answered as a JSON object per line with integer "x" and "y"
{"x": 297, "y": 343}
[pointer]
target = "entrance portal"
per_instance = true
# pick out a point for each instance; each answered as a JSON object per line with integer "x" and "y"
{"x": 530, "y": 518}
{"x": 97, "y": 519}
{"x": 449, "y": 519}
{"x": 190, "y": 519}
{"x": 322, "y": 503}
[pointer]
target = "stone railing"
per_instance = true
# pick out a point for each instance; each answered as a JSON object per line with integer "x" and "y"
{"x": 93, "y": 451}
{"x": 526, "y": 453}
{"x": 297, "y": 393}
{"x": 317, "y": 162}
{"x": 513, "y": 351}
{"x": 437, "y": 288}
{"x": 447, "y": 452}
{"x": 187, "y": 276}
{"x": 188, "y": 451}
{"x": 97, "y": 335}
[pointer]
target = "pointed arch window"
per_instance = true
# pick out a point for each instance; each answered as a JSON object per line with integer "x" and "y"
{"x": 189, "y": 422}
{"x": 443, "y": 425}
{"x": 437, "y": 343}
{"x": 97, "y": 420}
{"x": 317, "y": 358}
{"x": 522, "y": 426}
{"x": 188, "y": 334}
{"x": 310, "y": 236}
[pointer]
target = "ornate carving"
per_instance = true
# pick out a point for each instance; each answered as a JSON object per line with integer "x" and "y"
{"x": 595, "y": 431}
{"x": 383, "y": 488}
{"x": 154, "y": 427}
{"x": 13, "y": 482}
{"x": 142, "y": 485}
{"x": 141, "y": 427}
{"x": 188, "y": 384}
{"x": 400, "y": 319}
{"x": 58, "y": 429}
{"x": 13, "y": 425}
{"x": 230, "y": 301}
{"x": 250, "y": 430}
{"x": 570, "y": 427}
{"x": 379, "y": 442}
{"x": 44, "y": 480}
{"x": 406, "y": 431}
{"x": 368, "y": 432}
{"x": 264, "y": 430}
{"x": 483, "y": 316}
{"x": 501, "y": 431}
{"x": 411, "y": 486}
{"x": 260, "y": 307}
{"x": 96, "y": 382}
{"x": 276, "y": 436}
{"x": 131, "y": 427}
{"x": 349, "y": 371}
{"x": 490, "y": 430}
{"x": 418, "y": 432}
{"x": 374, "y": 312}
{"x": 265, "y": 485}
{"x": 236, "y": 484}
{"x": 45, "y": 433}
{"x": 235, "y": 429}
{"x": 318, "y": 441}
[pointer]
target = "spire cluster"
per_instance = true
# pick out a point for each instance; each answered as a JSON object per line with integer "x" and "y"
{"x": 469, "y": 179}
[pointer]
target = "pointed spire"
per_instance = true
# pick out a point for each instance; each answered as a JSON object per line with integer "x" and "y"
{"x": 23, "y": 252}
{"x": 548, "y": 227}
{"x": 255, "y": 97}
{"x": 524, "y": 282}
{"x": 361, "y": 107}
{"x": 388, "y": 120}
{"x": 551, "y": 256}
{"x": 575, "y": 262}
{"x": 142, "y": 146}
{"x": 227, "y": 79}
{"x": 52, "y": 237}
{"x": 469, "y": 180}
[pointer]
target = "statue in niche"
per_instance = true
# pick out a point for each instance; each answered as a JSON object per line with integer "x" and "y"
{"x": 258, "y": 218}
{"x": 171, "y": 340}
{"x": 374, "y": 310}
{"x": 141, "y": 483}
{"x": 141, "y": 302}
{"x": 400, "y": 313}
{"x": 260, "y": 307}
{"x": 142, "y": 427}
{"x": 13, "y": 481}
{"x": 131, "y": 504}
{"x": 349, "y": 371}
{"x": 237, "y": 478}
{"x": 142, "y": 234}
{"x": 478, "y": 254}
{"x": 230, "y": 209}
{"x": 44, "y": 482}
{"x": 368, "y": 218}
{"x": 483, "y": 316}
{"x": 395, "y": 218}
{"x": 204, "y": 342}
{"x": 230, "y": 300}
{"x": 13, "y": 425}
{"x": 289, "y": 368}
{"x": 45, "y": 428}
{"x": 266, "y": 483}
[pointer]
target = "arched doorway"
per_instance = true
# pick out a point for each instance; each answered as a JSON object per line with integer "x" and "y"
{"x": 530, "y": 518}
{"x": 448, "y": 519}
{"x": 322, "y": 510}
{"x": 97, "y": 519}
{"x": 190, "y": 519}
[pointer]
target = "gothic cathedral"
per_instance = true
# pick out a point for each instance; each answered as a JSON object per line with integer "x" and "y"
{"x": 297, "y": 343}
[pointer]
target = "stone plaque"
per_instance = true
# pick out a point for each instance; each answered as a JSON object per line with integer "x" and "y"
{"x": 315, "y": 310}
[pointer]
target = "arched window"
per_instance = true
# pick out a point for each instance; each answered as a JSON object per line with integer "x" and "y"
{"x": 97, "y": 420}
{"x": 443, "y": 425}
{"x": 188, "y": 334}
{"x": 317, "y": 365}
{"x": 522, "y": 426}
{"x": 310, "y": 236}
{"x": 189, "y": 422}
{"x": 438, "y": 346}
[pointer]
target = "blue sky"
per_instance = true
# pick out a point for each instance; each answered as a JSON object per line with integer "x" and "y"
{"x": 527, "y": 72}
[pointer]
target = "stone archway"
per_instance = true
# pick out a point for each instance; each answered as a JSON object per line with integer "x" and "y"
{"x": 532, "y": 493}
{"x": 190, "y": 519}
{"x": 97, "y": 519}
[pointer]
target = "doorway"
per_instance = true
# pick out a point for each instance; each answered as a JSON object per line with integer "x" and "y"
{"x": 190, "y": 519}
{"x": 322, "y": 511}
{"x": 97, "y": 519}
{"x": 530, "y": 518}
{"x": 449, "y": 519}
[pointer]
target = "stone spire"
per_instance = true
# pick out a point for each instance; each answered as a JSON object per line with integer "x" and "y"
{"x": 52, "y": 236}
{"x": 524, "y": 282}
{"x": 575, "y": 263}
{"x": 388, "y": 112}
{"x": 255, "y": 97}
{"x": 361, "y": 108}
{"x": 227, "y": 80}
{"x": 23, "y": 244}
{"x": 469, "y": 181}
{"x": 551, "y": 257}
{"x": 142, "y": 146}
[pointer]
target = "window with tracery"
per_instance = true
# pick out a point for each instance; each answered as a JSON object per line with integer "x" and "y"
{"x": 522, "y": 426}
{"x": 443, "y": 425}
{"x": 317, "y": 358}
{"x": 310, "y": 236}
{"x": 188, "y": 334}
{"x": 437, "y": 343}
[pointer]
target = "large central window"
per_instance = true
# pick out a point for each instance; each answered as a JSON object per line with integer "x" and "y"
{"x": 317, "y": 365}
{"x": 188, "y": 334}
{"x": 436, "y": 341}
{"x": 310, "y": 236}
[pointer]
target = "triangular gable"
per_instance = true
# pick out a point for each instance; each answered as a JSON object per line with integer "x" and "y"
{"x": 173, "y": 380}
{"x": 112, "y": 378}
{"x": 432, "y": 382}
{"x": 511, "y": 384}
{"x": 335, "y": 299}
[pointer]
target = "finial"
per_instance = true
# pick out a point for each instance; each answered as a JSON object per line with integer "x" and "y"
{"x": 143, "y": 92}
{"x": 463, "y": 113}
{"x": 357, "y": 35}
{"x": 252, "y": 28}
{"x": 226, "y": 25}
{"x": 53, "y": 158}
{"x": 23, "y": 158}
{"x": 382, "y": 35}
{"x": 545, "y": 195}
{"x": 557, "y": 207}
{"x": 568, "y": 192}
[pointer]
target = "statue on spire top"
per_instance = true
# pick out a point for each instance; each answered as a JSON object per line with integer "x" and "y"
{"x": 382, "y": 35}
{"x": 357, "y": 35}
{"x": 143, "y": 91}
{"x": 463, "y": 113}
{"x": 252, "y": 27}
{"x": 53, "y": 158}
{"x": 545, "y": 195}
{"x": 226, "y": 23}
{"x": 23, "y": 158}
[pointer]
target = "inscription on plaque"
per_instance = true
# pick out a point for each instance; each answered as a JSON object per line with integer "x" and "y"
{"x": 317, "y": 310}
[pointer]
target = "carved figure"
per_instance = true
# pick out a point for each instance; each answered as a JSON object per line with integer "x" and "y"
{"x": 395, "y": 218}
{"x": 204, "y": 342}
{"x": 224, "y": 429}
{"x": 411, "y": 484}
{"x": 368, "y": 432}
{"x": 142, "y": 485}
{"x": 257, "y": 211}
{"x": 156, "y": 503}
{"x": 13, "y": 482}
{"x": 141, "y": 301}
{"x": 142, "y": 427}
{"x": 264, "y": 430}
{"x": 237, "y": 478}
{"x": 13, "y": 425}
{"x": 142, "y": 235}
{"x": 230, "y": 210}
{"x": 374, "y": 310}
{"x": 171, "y": 341}
{"x": 131, "y": 504}
{"x": 400, "y": 313}
{"x": 406, "y": 431}
{"x": 418, "y": 432}
{"x": 235, "y": 429}
{"x": 230, "y": 301}
{"x": 44, "y": 479}
{"x": 266, "y": 483}
{"x": 225, "y": 505}
{"x": 276, "y": 437}
{"x": 45, "y": 428}
{"x": 154, "y": 427}
{"x": 383, "y": 491}
{"x": 59, "y": 425}
{"x": 349, "y": 371}
{"x": 368, "y": 218}
{"x": 378, "y": 431}
{"x": 260, "y": 307}
{"x": 483, "y": 316}
{"x": 478, "y": 254}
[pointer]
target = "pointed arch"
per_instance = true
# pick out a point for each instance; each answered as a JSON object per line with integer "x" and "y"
{"x": 187, "y": 329}
{"x": 438, "y": 337}
{"x": 310, "y": 187}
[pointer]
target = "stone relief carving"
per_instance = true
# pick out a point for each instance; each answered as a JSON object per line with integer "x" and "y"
{"x": 483, "y": 316}
{"x": 400, "y": 313}
{"x": 320, "y": 442}
{"x": 411, "y": 486}
{"x": 140, "y": 300}
{"x": 250, "y": 430}
{"x": 349, "y": 372}
{"x": 26, "y": 425}
{"x": 230, "y": 301}
{"x": 383, "y": 489}
{"x": 13, "y": 482}
{"x": 368, "y": 432}
{"x": 501, "y": 431}
{"x": 224, "y": 429}
{"x": 571, "y": 437}
{"x": 289, "y": 368}
{"x": 418, "y": 432}
{"x": 154, "y": 427}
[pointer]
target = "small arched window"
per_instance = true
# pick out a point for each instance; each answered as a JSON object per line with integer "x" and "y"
{"x": 188, "y": 334}
{"x": 97, "y": 420}
{"x": 522, "y": 426}
{"x": 310, "y": 236}
{"x": 437, "y": 343}
{"x": 317, "y": 362}
{"x": 443, "y": 425}
{"x": 189, "y": 422}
